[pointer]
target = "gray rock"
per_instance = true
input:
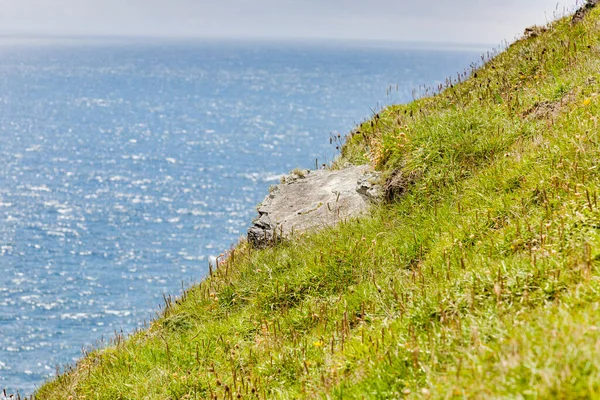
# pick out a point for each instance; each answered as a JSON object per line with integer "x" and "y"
{"x": 308, "y": 200}
{"x": 369, "y": 185}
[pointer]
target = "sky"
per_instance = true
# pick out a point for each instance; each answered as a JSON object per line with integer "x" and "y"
{"x": 454, "y": 21}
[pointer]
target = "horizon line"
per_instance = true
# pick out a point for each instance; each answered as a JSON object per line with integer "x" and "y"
{"x": 427, "y": 44}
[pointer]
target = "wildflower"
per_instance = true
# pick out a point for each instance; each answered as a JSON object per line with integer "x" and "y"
{"x": 318, "y": 343}
{"x": 587, "y": 102}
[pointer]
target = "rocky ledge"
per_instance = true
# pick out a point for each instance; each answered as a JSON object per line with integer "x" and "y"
{"x": 308, "y": 200}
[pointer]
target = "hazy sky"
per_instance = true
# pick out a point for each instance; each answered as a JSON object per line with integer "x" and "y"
{"x": 475, "y": 21}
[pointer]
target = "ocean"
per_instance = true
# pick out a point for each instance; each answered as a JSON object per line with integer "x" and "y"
{"x": 126, "y": 164}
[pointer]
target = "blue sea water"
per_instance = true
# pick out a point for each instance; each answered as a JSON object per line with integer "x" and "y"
{"x": 126, "y": 164}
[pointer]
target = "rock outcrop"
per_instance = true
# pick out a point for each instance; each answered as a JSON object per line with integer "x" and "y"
{"x": 308, "y": 200}
{"x": 583, "y": 11}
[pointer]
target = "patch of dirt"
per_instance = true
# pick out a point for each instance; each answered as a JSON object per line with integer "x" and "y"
{"x": 583, "y": 11}
{"x": 549, "y": 109}
{"x": 398, "y": 184}
{"x": 534, "y": 31}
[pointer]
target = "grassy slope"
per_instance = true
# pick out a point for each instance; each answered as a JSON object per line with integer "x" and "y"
{"x": 482, "y": 281}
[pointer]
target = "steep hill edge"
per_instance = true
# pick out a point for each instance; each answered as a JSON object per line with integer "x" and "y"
{"x": 479, "y": 279}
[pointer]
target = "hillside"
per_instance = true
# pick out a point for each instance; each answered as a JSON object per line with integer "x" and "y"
{"x": 479, "y": 278}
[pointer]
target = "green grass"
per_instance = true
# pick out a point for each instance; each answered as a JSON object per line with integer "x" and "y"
{"x": 482, "y": 281}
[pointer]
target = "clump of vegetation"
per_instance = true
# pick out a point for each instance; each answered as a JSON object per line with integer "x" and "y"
{"x": 300, "y": 173}
{"x": 482, "y": 280}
